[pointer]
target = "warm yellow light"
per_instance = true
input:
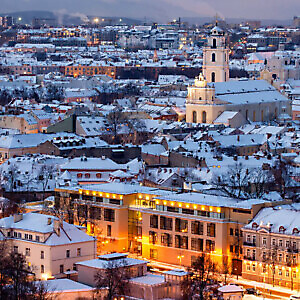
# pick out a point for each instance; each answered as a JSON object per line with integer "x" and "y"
{"x": 121, "y": 197}
{"x": 44, "y": 276}
{"x": 114, "y": 196}
{"x": 218, "y": 209}
{"x": 210, "y": 209}
{"x": 140, "y": 218}
{"x": 276, "y": 267}
{"x": 165, "y": 202}
{"x": 100, "y": 194}
{"x": 179, "y": 204}
{"x": 157, "y": 202}
{"x": 202, "y": 208}
{"x": 80, "y": 191}
{"x": 140, "y": 196}
{"x": 187, "y": 205}
{"x": 107, "y": 195}
{"x": 147, "y": 197}
{"x": 283, "y": 268}
{"x": 87, "y": 192}
{"x": 195, "y": 206}
{"x": 96, "y": 20}
{"x": 172, "y": 203}
{"x": 94, "y": 193}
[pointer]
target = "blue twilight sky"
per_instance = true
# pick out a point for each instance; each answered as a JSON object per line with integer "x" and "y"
{"x": 163, "y": 9}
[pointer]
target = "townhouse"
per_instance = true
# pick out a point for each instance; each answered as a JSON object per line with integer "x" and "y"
{"x": 51, "y": 246}
{"x": 271, "y": 243}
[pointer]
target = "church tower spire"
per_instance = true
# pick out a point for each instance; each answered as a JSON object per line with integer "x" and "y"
{"x": 215, "y": 57}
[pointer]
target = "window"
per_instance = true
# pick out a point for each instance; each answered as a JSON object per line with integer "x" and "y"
{"x": 274, "y": 242}
{"x": 79, "y": 175}
{"x": 204, "y": 116}
{"x": 254, "y": 254}
{"x": 30, "y": 237}
{"x": 166, "y": 223}
{"x": 61, "y": 268}
{"x": 253, "y": 268}
{"x": 154, "y": 221}
{"x": 153, "y": 253}
{"x": 280, "y": 272}
{"x": 264, "y": 241}
{"x": 181, "y": 225}
{"x": 109, "y": 215}
{"x": 98, "y": 175}
{"x": 95, "y": 213}
{"x": 194, "y": 117}
{"x": 214, "y": 43}
{"x": 152, "y": 237}
{"x": 231, "y": 231}
{"x": 166, "y": 239}
{"x": 67, "y": 253}
{"x": 181, "y": 242}
{"x": 213, "y": 78}
{"x": 287, "y": 244}
{"x": 108, "y": 231}
{"x": 42, "y": 269}
{"x": 280, "y": 244}
{"x": 78, "y": 251}
{"x": 74, "y": 267}
{"x": 211, "y": 229}
{"x": 16, "y": 249}
{"x": 287, "y": 273}
{"x": 248, "y": 238}
{"x": 280, "y": 257}
{"x": 210, "y": 245}
{"x": 248, "y": 267}
{"x": 87, "y": 175}
{"x": 42, "y": 255}
{"x": 26, "y": 236}
{"x": 197, "y": 244}
{"x": 37, "y": 238}
{"x": 197, "y": 227}
{"x": 27, "y": 252}
{"x": 213, "y": 57}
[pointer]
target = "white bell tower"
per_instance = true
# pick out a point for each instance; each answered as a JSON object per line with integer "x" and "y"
{"x": 216, "y": 57}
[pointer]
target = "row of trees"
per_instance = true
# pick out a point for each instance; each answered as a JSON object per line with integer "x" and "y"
{"x": 244, "y": 183}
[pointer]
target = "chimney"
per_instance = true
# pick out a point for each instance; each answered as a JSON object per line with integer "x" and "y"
{"x": 18, "y": 217}
{"x": 56, "y": 227}
{"x": 238, "y": 138}
{"x": 103, "y": 157}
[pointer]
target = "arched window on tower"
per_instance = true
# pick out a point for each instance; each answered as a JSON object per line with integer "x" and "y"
{"x": 213, "y": 77}
{"x": 213, "y": 57}
{"x": 214, "y": 43}
{"x": 194, "y": 117}
{"x": 204, "y": 116}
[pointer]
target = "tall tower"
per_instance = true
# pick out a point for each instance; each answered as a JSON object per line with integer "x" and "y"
{"x": 216, "y": 57}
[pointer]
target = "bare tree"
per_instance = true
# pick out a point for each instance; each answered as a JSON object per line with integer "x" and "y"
{"x": 243, "y": 183}
{"x": 113, "y": 279}
{"x": 116, "y": 118}
{"x": 205, "y": 272}
{"x": 44, "y": 176}
{"x": 225, "y": 270}
{"x": 12, "y": 176}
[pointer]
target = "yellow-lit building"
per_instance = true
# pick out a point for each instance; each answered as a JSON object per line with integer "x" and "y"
{"x": 159, "y": 224}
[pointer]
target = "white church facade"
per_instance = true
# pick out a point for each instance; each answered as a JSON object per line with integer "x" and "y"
{"x": 213, "y": 96}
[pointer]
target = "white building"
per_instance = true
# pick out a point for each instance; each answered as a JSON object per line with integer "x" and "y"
{"x": 51, "y": 246}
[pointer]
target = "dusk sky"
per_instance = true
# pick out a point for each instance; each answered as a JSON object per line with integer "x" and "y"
{"x": 163, "y": 9}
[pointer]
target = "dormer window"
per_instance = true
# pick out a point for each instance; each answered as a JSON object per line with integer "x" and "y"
{"x": 281, "y": 229}
{"x": 295, "y": 231}
{"x": 254, "y": 225}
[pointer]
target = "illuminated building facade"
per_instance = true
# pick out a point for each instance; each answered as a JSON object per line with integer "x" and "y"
{"x": 159, "y": 224}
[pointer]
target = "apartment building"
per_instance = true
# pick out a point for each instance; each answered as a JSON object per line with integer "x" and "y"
{"x": 271, "y": 245}
{"x": 52, "y": 247}
{"x": 159, "y": 224}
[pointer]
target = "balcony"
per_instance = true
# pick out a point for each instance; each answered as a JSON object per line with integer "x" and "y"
{"x": 251, "y": 244}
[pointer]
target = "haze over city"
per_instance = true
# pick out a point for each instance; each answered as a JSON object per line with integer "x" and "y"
{"x": 163, "y": 9}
